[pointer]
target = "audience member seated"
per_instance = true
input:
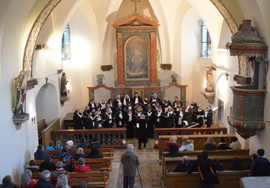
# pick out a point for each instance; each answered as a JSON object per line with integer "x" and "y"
{"x": 26, "y": 179}
{"x": 235, "y": 143}
{"x": 210, "y": 144}
{"x": 185, "y": 166}
{"x": 237, "y": 165}
{"x": 32, "y": 166}
{"x": 65, "y": 153}
{"x": 83, "y": 144}
{"x": 260, "y": 166}
{"x": 81, "y": 166}
{"x": 173, "y": 151}
{"x": 62, "y": 181}
{"x": 44, "y": 181}
{"x": 253, "y": 157}
{"x": 94, "y": 153}
{"x": 47, "y": 164}
{"x": 95, "y": 143}
{"x": 218, "y": 165}
{"x": 222, "y": 144}
{"x": 40, "y": 154}
{"x": 66, "y": 166}
{"x": 58, "y": 145}
{"x": 50, "y": 146}
{"x": 59, "y": 171}
{"x": 70, "y": 145}
{"x": 187, "y": 145}
{"x": 7, "y": 183}
{"x": 172, "y": 141}
{"x": 79, "y": 154}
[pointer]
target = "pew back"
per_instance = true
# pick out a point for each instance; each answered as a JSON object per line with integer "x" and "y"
{"x": 226, "y": 179}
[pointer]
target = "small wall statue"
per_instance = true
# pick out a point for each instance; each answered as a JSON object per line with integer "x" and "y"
{"x": 209, "y": 80}
{"x": 64, "y": 82}
{"x": 100, "y": 78}
{"x": 19, "y": 95}
{"x": 174, "y": 77}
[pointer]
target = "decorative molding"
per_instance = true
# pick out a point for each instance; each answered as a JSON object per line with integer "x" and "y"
{"x": 31, "y": 83}
{"x": 242, "y": 80}
{"x": 166, "y": 66}
{"x": 59, "y": 71}
{"x": 64, "y": 99}
{"x": 18, "y": 120}
{"x": 135, "y": 14}
{"x": 226, "y": 14}
{"x": 119, "y": 35}
{"x": 106, "y": 67}
{"x": 33, "y": 36}
{"x": 210, "y": 96}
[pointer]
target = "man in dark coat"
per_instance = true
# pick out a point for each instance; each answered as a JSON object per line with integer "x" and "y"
{"x": 141, "y": 124}
{"x": 206, "y": 169}
{"x": 40, "y": 154}
{"x": 260, "y": 166}
{"x": 209, "y": 116}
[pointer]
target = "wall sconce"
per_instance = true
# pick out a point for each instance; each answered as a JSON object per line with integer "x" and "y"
{"x": 33, "y": 119}
{"x": 227, "y": 76}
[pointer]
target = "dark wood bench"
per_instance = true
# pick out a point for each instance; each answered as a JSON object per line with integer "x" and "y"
{"x": 106, "y": 152}
{"x": 92, "y": 179}
{"x": 189, "y": 131}
{"x": 170, "y": 163}
{"x": 226, "y": 179}
{"x": 54, "y": 161}
{"x": 198, "y": 140}
{"x": 100, "y": 164}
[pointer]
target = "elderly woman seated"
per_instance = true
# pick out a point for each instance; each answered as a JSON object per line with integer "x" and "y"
{"x": 187, "y": 145}
{"x": 172, "y": 141}
{"x": 26, "y": 179}
{"x": 79, "y": 154}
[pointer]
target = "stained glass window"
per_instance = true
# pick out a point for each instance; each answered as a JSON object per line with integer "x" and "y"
{"x": 205, "y": 42}
{"x": 66, "y": 44}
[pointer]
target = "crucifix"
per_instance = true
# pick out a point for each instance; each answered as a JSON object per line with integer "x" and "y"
{"x": 135, "y": 1}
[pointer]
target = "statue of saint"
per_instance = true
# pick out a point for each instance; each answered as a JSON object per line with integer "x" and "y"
{"x": 243, "y": 66}
{"x": 209, "y": 79}
{"x": 100, "y": 78}
{"x": 19, "y": 94}
{"x": 64, "y": 85}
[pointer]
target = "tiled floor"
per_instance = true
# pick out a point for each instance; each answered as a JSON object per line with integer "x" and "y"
{"x": 149, "y": 167}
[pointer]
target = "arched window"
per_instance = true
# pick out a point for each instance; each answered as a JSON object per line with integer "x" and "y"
{"x": 66, "y": 44}
{"x": 205, "y": 42}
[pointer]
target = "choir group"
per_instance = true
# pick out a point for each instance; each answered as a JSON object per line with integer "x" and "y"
{"x": 124, "y": 111}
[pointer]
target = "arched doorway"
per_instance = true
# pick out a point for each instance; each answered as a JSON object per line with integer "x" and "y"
{"x": 47, "y": 102}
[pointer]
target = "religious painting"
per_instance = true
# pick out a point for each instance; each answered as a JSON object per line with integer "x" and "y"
{"x": 136, "y": 59}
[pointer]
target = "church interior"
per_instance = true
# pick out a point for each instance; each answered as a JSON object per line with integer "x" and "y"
{"x": 213, "y": 52}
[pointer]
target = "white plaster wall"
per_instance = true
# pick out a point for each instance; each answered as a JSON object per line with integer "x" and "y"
{"x": 18, "y": 144}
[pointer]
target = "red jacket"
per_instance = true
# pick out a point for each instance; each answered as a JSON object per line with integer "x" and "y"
{"x": 168, "y": 144}
{"x": 83, "y": 169}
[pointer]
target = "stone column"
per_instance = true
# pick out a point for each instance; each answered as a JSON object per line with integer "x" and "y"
{"x": 120, "y": 59}
{"x": 153, "y": 59}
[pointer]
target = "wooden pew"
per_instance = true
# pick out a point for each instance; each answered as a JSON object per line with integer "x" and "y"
{"x": 54, "y": 161}
{"x": 198, "y": 140}
{"x": 189, "y": 131}
{"x": 100, "y": 164}
{"x": 170, "y": 163}
{"x": 106, "y": 152}
{"x": 226, "y": 179}
{"x": 93, "y": 179}
{"x": 213, "y": 152}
